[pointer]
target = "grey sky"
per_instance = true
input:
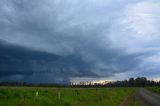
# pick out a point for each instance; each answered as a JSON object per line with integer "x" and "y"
{"x": 89, "y": 38}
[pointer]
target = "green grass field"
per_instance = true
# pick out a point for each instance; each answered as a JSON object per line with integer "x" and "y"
{"x": 25, "y": 96}
{"x": 154, "y": 89}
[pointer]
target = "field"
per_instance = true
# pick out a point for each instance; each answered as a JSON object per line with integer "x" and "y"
{"x": 154, "y": 89}
{"x": 25, "y": 96}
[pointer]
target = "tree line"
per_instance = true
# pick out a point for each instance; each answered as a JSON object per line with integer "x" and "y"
{"x": 131, "y": 82}
{"x": 137, "y": 82}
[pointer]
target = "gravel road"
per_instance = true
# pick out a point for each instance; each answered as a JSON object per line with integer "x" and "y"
{"x": 150, "y": 98}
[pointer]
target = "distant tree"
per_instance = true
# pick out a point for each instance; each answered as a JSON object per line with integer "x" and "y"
{"x": 141, "y": 81}
{"x": 131, "y": 82}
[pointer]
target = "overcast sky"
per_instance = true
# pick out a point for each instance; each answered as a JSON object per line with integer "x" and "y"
{"x": 62, "y": 40}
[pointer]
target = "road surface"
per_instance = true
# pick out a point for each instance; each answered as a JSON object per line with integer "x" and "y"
{"x": 150, "y": 98}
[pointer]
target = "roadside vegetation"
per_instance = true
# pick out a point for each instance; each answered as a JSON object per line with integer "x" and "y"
{"x": 35, "y": 96}
{"x": 154, "y": 89}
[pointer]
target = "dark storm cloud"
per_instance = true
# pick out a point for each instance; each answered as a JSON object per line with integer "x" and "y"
{"x": 55, "y": 40}
{"x": 35, "y": 66}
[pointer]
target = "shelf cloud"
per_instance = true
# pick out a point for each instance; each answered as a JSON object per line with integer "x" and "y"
{"x": 56, "y": 40}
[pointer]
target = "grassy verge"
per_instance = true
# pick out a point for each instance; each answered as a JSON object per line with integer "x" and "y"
{"x": 154, "y": 89}
{"x": 23, "y": 96}
{"x": 134, "y": 100}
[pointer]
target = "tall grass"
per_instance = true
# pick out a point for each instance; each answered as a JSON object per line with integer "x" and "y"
{"x": 24, "y": 96}
{"x": 154, "y": 89}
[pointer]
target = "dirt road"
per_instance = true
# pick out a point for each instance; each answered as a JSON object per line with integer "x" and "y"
{"x": 150, "y": 98}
